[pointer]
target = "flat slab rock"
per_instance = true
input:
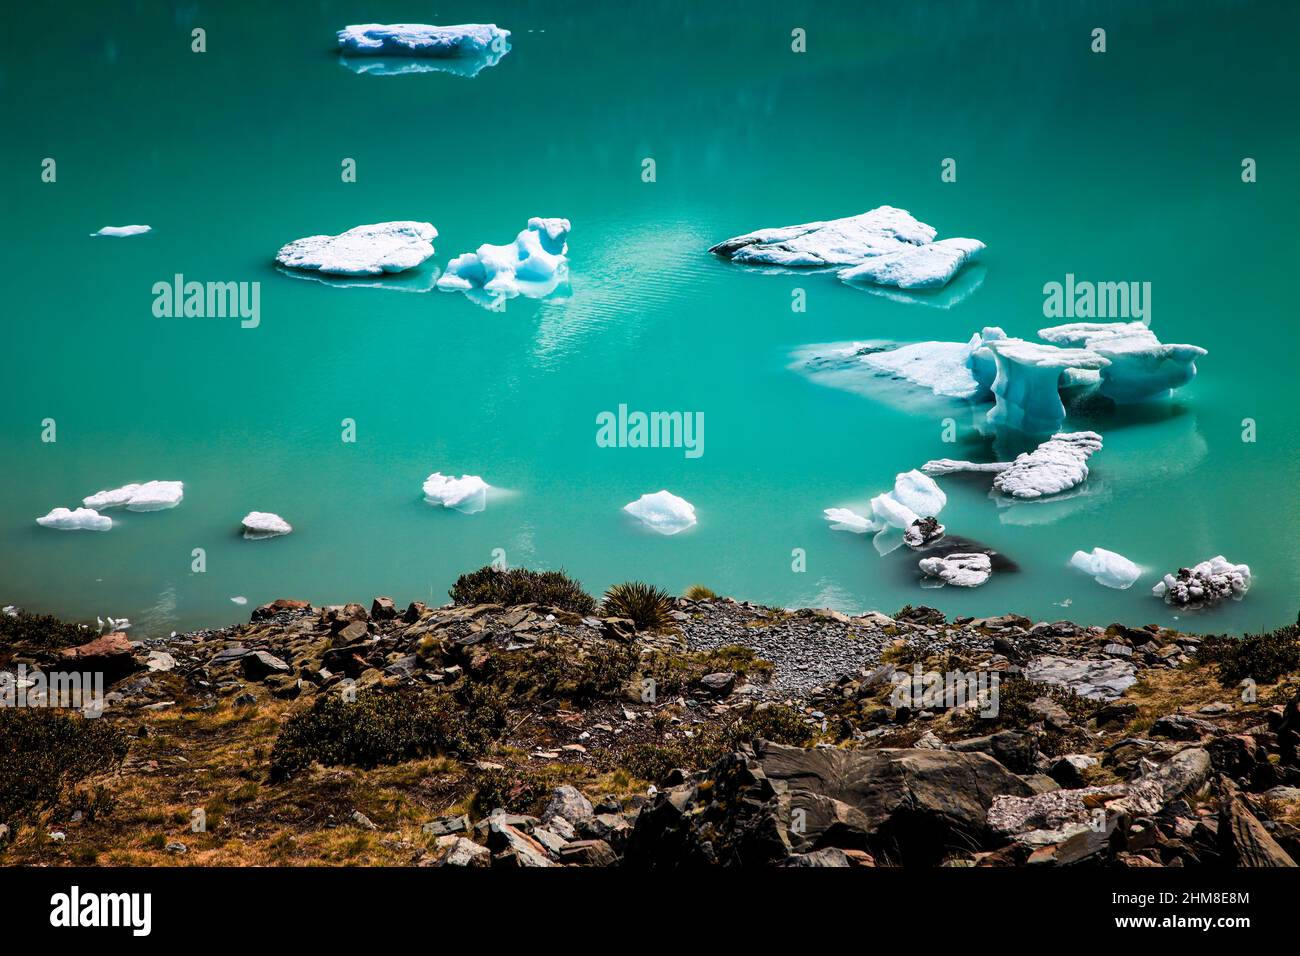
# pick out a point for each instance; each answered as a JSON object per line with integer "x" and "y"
{"x": 1096, "y": 680}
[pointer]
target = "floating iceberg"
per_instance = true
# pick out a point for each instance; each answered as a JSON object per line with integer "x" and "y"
{"x": 920, "y": 267}
{"x": 1027, "y": 382}
{"x": 1142, "y": 368}
{"x": 533, "y": 265}
{"x": 1057, "y": 465}
{"x": 959, "y": 570}
{"x": 1206, "y": 584}
{"x": 885, "y": 246}
{"x": 149, "y": 496}
{"x": 83, "y": 519}
{"x": 465, "y": 40}
{"x": 951, "y": 369}
{"x": 466, "y": 494}
{"x": 663, "y": 512}
{"x": 121, "y": 232}
{"x": 363, "y": 250}
{"x": 1107, "y": 568}
{"x": 263, "y": 524}
{"x": 914, "y": 496}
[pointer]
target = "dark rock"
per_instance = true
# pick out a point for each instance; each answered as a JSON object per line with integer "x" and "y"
{"x": 1116, "y": 712}
{"x": 278, "y": 606}
{"x": 588, "y": 853}
{"x": 1181, "y": 727}
{"x": 1014, "y": 749}
{"x": 1242, "y": 838}
{"x": 383, "y": 609}
{"x": 260, "y": 664}
{"x": 719, "y": 684}
{"x": 351, "y": 633}
{"x": 112, "y": 655}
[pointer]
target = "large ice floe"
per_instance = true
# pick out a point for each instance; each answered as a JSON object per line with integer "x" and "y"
{"x": 1205, "y": 584}
{"x": 1141, "y": 367}
{"x": 264, "y": 524}
{"x": 950, "y": 369}
{"x": 958, "y": 569}
{"x": 1026, "y": 387}
{"x": 396, "y": 48}
{"x": 1055, "y": 466}
{"x": 534, "y": 265}
{"x": 1107, "y": 568}
{"x": 884, "y": 246}
{"x": 82, "y": 519}
{"x": 466, "y": 494}
{"x": 147, "y": 496}
{"x": 363, "y": 250}
{"x": 663, "y": 512}
{"x": 122, "y": 232}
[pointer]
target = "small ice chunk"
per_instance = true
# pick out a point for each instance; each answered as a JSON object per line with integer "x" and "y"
{"x": 832, "y": 242}
{"x": 1107, "y": 568}
{"x": 263, "y": 524}
{"x": 663, "y": 512}
{"x": 920, "y": 267}
{"x": 842, "y": 519}
{"x": 121, "y": 232}
{"x": 363, "y": 250}
{"x": 1026, "y": 388}
{"x": 148, "y": 496}
{"x": 1205, "y": 584}
{"x": 466, "y": 494}
{"x": 239, "y": 599}
{"x": 533, "y": 265}
{"x": 959, "y": 570}
{"x": 423, "y": 40}
{"x": 917, "y": 491}
{"x": 82, "y": 519}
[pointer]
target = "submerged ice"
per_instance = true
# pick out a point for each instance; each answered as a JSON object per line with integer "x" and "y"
{"x": 950, "y": 369}
{"x": 534, "y": 265}
{"x": 363, "y": 250}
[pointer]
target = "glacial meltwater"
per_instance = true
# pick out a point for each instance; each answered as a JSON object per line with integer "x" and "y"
{"x": 657, "y": 129}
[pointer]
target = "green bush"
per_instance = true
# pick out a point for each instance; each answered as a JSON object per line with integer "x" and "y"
{"x": 487, "y": 585}
{"x": 42, "y": 631}
{"x": 647, "y": 606}
{"x": 775, "y": 722}
{"x": 387, "y": 728}
{"x": 580, "y": 673}
{"x": 43, "y": 752}
{"x": 1261, "y": 657}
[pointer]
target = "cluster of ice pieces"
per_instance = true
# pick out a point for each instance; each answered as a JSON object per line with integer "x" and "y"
{"x": 121, "y": 232}
{"x": 264, "y": 524}
{"x": 363, "y": 250}
{"x": 1057, "y": 465}
{"x": 1139, "y": 366}
{"x": 885, "y": 246}
{"x": 466, "y": 494}
{"x": 1107, "y": 568}
{"x": 533, "y": 265}
{"x": 464, "y": 49}
{"x": 1205, "y": 584}
{"x": 663, "y": 512}
{"x": 914, "y": 496}
{"x": 959, "y": 570}
{"x": 148, "y": 496}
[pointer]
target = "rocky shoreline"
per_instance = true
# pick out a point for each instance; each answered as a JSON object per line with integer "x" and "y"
{"x": 730, "y": 734}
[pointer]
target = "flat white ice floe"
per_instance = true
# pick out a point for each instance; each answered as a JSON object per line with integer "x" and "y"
{"x": 884, "y": 246}
{"x": 363, "y": 250}
{"x": 121, "y": 232}
{"x": 1057, "y": 465}
{"x": 82, "y": 519}
{"x": 147, "y": 496}
{"x": 1205, "y": 584}
{"x": 662, "y": 511}
{"x": 959, "y": 570}
{"x": 422, "y": 39}
{"x": 1026, "y": 386}
{"x": 1141, "y": 368}
{"x": 1107, "y": 568}
{"x": 533, "y": 265}
{"x": 950, "y": 369}
{"x": 263, "y": 524}
{"x": 466, "y": 494}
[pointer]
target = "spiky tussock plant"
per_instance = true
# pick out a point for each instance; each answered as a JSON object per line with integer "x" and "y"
{"x": 698, "y": 592}
{"x": 647, "y": 606}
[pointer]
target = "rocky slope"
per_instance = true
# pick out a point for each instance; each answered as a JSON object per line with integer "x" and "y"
{"x": 485, "y": 735}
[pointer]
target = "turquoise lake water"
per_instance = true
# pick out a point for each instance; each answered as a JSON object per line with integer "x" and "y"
{"x": 1118, "y": 166}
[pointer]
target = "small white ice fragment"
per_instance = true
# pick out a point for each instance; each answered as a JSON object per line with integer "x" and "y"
{"x": 959, "y": 570}
{"x": 82, "y": 519}
{"x": 263, "y": 524}
{"x": 663, "y": 512}
{"x": 466, "y": 494}
{"x": 1107, "y": 568}
{"x": 362, "y": 250}
{"x": 121, "y": 232}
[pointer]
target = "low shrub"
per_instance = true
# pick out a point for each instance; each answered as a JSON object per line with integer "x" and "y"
{"x": 698, "y": 592}
{"x": 42, "y": 631}
{"x": 387, "y": 728}
{"x": 44, "y": 752}
{"x": 1262, "y": 658}
{"x": 556, "y": 671}
{"x": 644, "y": 604}
{"x": 487, "y": 585}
